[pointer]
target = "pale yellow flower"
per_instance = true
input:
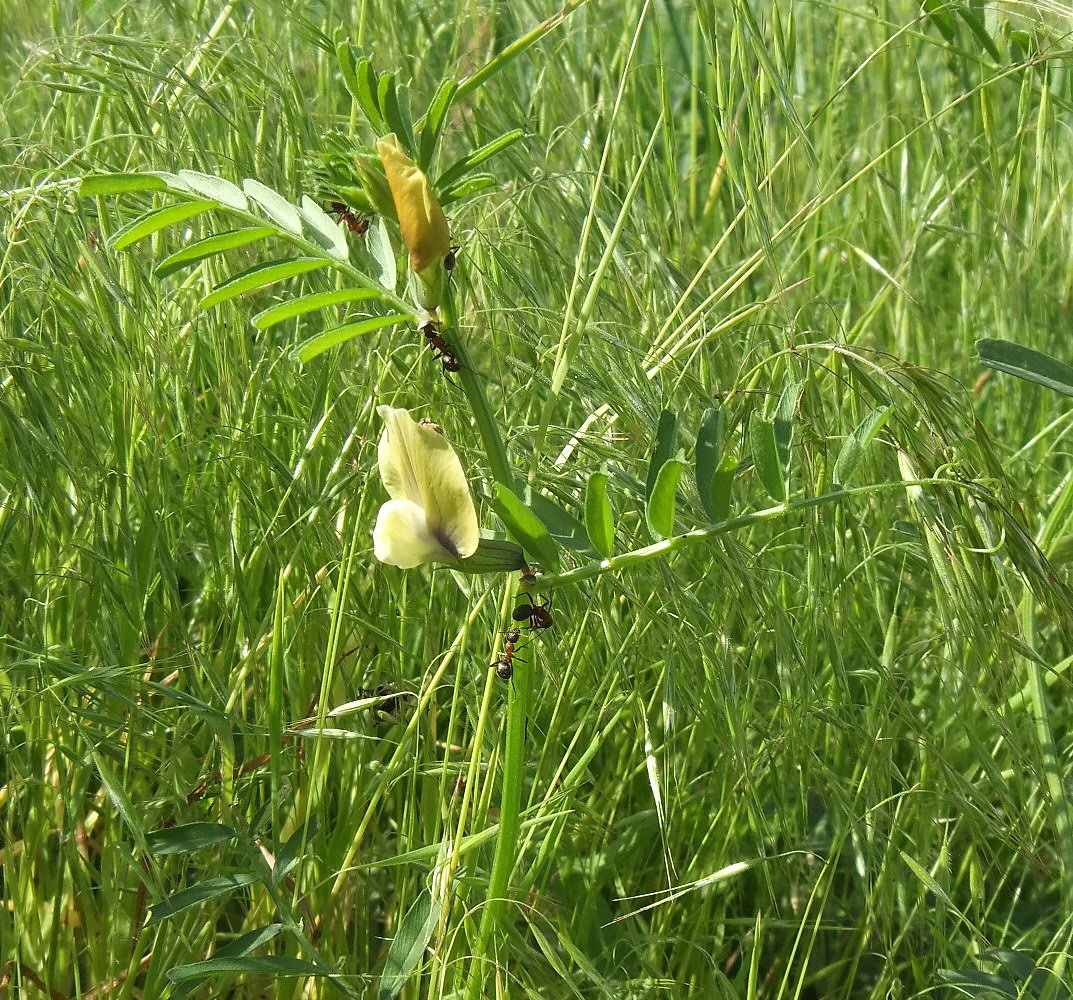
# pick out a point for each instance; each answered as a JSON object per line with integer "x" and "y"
{"x": 430, "y": 516}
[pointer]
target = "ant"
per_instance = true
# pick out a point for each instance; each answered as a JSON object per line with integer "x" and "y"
{"x": 451, "y": 259}
{"x": 505, "y": 664}
{"x": 440, "y": 348}
{"x": 353, "y": 223}
{"x": 538, "y": 615}
{"x": 391, "y": 700}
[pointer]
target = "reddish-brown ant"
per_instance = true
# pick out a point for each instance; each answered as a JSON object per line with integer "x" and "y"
{"x": 440, "y": 348}
{"x": 505, "y": 664}
{"x": 353, "y": 223}
{"x": 538, "y": 615}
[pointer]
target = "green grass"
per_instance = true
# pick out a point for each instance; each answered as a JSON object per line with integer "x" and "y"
{"x": 823, "y": 754}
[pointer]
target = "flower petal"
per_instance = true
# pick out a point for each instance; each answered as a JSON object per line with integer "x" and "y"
{"x": 417, "y": 463}
{"x": 424, "y": 228}
{"x": 402, "y": 537}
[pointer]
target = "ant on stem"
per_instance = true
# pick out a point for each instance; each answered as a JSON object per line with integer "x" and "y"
{"x": 440, "y": 348}
{"x": 505, "y": 664}
{"x": 353, "y": 223}
{"x": 538, "y": 615}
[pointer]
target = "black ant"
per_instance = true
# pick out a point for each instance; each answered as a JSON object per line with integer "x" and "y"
{"x": 451, "y": 259}
{"x": 353, "y": 223}
{"x": 505, "y": 664}
{"x": 390, "y": 705}
{"x": 538, "y": 615}
{"x": 440, "y": 348}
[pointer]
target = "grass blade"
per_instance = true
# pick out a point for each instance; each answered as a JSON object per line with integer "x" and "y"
{"x": 659, "y": 511}
{"x": 259, "y": 277}
{"x": 190, "y": 837}
{"x": 599, "y": 517}
{"x": 152, "y": 222}
{"x": 196, "y": 894}
{"x": 1025, "y": 363}
{"x": 331, "y": 338}
{"x": 309, "y": 303}
{"x": 199, "y": 250}
{"x": 408, "y": 945}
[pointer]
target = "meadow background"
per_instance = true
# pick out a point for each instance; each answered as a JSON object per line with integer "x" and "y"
{"x": 824, "y": 755}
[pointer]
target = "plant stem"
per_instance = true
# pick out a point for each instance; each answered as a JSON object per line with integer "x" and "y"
{"x": 506, "y": 854}
{"x": 515, "y": 49}
{"x": 1050, "y": 759}
{"x": 495, "y": 450}
{"x": 698, "y": 535}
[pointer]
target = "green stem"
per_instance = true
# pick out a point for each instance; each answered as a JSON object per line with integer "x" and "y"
{"x": 472, "y": 385}
{"x": 1049, "y": 757}
{"x": 510, "y": 815}
{"x": 515, "y": 49}
{"x": 700, "y": 535}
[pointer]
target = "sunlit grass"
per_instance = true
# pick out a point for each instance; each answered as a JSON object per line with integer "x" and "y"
{"x": 800, "y": 760}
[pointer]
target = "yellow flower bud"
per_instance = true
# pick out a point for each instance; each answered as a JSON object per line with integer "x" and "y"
{"x": 424, "y": 228}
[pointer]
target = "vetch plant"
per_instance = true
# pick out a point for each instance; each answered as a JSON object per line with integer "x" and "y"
{"x": 431, "y": 516}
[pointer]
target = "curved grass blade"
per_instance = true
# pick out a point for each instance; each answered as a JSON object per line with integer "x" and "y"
{"x": 196, "y": 894}
{"x": 273, "y": 965}
{"x": 103, "y": 184}
{"x": 408, "y": 945}
{"x": 288, "y": 856}
{"x": 190, "y": 837}
{"x": 1032, "y": 366}
{"x": 276, "y": 207}
{"x": 659, "y": 511}
{"x": 259, "y": 277}
{"x": 708, "y": 453}
{"x": 461, "y": 167}
{"x": 432, "y": 124}
{"x": 152, "y": 222}
{"x": 330, "y": 338}
{"x": 528, "y": 530}
{"x": 198, "y": 251}
{"x": 243, "y": 945}
{"x": 599, "y": 517}
{"x": 309, "y": 303}
{"x": 215, "y": 188}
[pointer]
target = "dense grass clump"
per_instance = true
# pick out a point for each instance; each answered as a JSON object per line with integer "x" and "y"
{"x": 822, "y": 750}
